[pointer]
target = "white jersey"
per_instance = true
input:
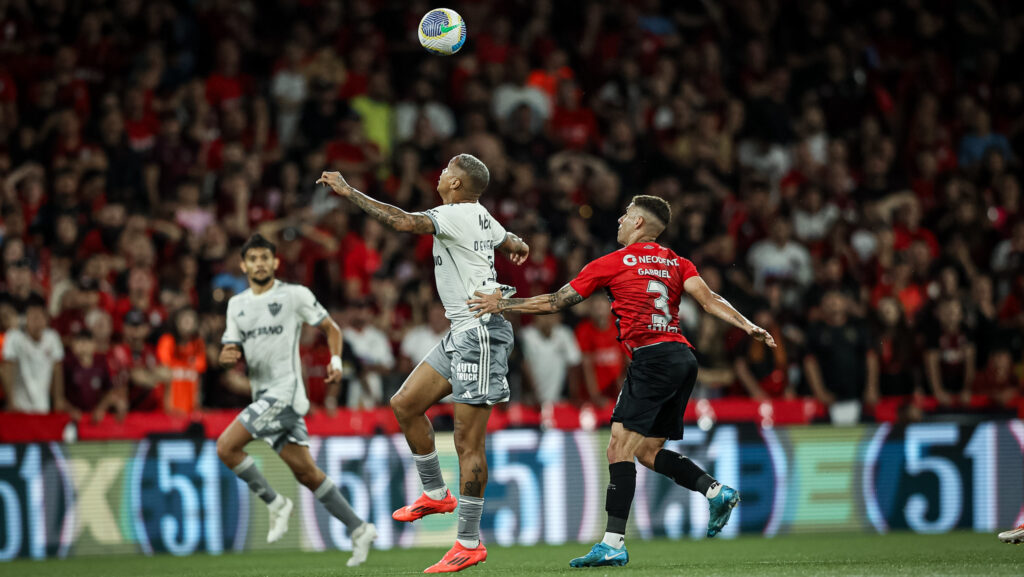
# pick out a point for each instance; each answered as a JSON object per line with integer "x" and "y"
{"x": 267, "y": 327}
{"x": 465, "y": 236}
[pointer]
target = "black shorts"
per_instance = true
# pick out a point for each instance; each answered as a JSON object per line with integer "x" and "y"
{"x": 657, "y": 387}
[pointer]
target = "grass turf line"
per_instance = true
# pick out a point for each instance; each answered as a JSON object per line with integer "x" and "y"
{"x": 953, "y": 554}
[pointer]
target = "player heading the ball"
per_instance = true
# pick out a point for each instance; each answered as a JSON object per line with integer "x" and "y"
{"x": 471, "y": 362}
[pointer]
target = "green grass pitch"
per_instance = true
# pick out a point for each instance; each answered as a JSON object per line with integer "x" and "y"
{"x": 959, "y": 554}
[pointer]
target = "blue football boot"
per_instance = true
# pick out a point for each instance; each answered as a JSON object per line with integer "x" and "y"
{"x": 602, "y": 555}
{"x": 721, "y": 509}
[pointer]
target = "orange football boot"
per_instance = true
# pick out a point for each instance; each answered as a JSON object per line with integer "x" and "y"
{"x": 458, "y": 558}
{"x": 425, "y": 506}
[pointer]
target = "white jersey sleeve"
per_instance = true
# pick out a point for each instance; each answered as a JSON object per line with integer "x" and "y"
{"x": 307, "y": 306}
{"x": 232, "y": 334}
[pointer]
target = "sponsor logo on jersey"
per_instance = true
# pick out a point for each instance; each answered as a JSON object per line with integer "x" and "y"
{"x": 629, "y": 259}
{"x": 262, "y": 332}
{"x": 274, "y": 308}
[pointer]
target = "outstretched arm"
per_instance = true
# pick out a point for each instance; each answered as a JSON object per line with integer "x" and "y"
{"x": 539, "y": 305}
{"x": 390, "y": 216}
{"x": 514, "y": 248}
{"x": 719, "y": 307}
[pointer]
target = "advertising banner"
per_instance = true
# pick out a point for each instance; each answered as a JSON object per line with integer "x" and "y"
{"x": 172, "y": 495}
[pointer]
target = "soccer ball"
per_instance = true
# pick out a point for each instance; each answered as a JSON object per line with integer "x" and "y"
{"x": 442, "y": 31}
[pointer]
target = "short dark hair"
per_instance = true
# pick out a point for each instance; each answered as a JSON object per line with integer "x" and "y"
{"x": 34, "y": 300}
{"x": 477, "y": 175}
{"x": 655, "y": 206}
{"x": 258, "y": 241}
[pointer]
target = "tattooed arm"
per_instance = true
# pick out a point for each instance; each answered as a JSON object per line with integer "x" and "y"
{"x": 719, "y": 307}
{"x": 390, "y": 216}
{"x": 538, "y": 305}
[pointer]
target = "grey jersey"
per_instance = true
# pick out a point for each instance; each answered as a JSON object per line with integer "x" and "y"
{"x": 267, "y": 327}
{"x": 465, "y": 236}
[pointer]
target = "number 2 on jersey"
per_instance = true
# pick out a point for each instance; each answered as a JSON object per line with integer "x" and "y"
{"x": 660, "y": 302}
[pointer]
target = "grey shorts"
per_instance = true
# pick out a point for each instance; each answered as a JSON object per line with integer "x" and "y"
{"x": 475, "y": 362}
{"x": 275, "y": 422}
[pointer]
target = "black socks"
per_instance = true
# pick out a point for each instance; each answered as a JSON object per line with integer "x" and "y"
{"x": 683, "y": 471}
{"x": 619, "y": 498}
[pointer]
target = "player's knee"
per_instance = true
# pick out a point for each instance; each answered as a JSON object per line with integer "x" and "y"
{"x": 399, "y": 406}
{"x": 646, "y": 456}
{"x": 617, "y": 452}
{"x": 226, "y": 451}
{"x": 307, "y": 477}
{"x": 469, "y": 450}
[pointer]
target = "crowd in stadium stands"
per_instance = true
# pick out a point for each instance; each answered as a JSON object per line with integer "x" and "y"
{"x": 848, "y": 175}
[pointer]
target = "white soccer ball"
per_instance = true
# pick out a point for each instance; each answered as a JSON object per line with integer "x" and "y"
{"x": 442, "y": 31}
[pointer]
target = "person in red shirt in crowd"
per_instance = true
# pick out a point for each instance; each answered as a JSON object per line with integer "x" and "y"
{"x": 139, "y": 298}
{"x": 555, "y": 70}
{"x": 603, "y": 358}
{"x": 227, "y": 84}
{"x": 998, "y": 380}
{"x": 572, "y": 126}
{"x": 184, "y": 352}
{"x": 87, "y": 383}
{"x": 645, "y": 282}
{"x": 541, "y": 269}
{"x": 137, "y": 372}
{"x": 949, "y": 358}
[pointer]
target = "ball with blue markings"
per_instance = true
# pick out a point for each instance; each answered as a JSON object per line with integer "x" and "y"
{"x": 442, "y": 31}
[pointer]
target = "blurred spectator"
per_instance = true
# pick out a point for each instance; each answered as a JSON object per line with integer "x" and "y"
{"x": 780, "y": 258}
{"x": 949, "y": 358}
{"x": 896, "y": 354}
{"x": 998, "y": 380}
{"x": 371, "y": 346}
{"x": 603, "y": 359}
{"x": 550, "y": 352}
{"x": 841, "y": 366}
{"x": 32, "y": 371}
{"x": 976, "y": 144}
{"x": 423, "y": 103}
{"x": 184, "y": 353}
{"x": 87, "y": 381}
{"x": 764, "y": 372}
{"x": 421, "y": 339}
{"x": 135, "y": 368}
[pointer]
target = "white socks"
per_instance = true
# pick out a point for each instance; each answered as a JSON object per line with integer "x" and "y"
{"x": 436, "y": 494}
{"x": 615, "y": 540}
{"x": 469, "y": 544}
{"x": 276, "y": 504}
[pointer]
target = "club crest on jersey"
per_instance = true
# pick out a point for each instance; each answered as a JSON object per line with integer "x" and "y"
{"x": 274, "y": 308}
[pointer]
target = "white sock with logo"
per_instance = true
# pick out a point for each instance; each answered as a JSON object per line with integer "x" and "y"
{"x": 616, "y": 540}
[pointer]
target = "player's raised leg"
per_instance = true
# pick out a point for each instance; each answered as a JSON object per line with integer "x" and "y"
{"x": 470, "y": 438}
{"x": 611, "y": 551}
{"x": 721, "y": 498}
{"x": 300, "y": 461}
{"x": 424, "y": 387}
{"x": 230, "y": 449}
